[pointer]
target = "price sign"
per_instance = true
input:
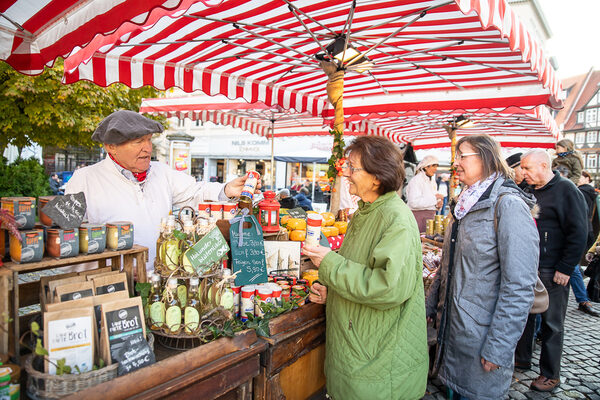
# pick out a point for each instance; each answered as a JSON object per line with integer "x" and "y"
{"x": 134, "y": 355}
{"x": 297, "y": 212}
{"x": 249, "y": 257}
{"x": 207, "y": 251}
{"x": 66, "y": 211}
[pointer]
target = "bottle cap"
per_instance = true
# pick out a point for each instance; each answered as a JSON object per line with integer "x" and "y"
{"x": 155, "y": 277}
{"x": 188, "y": 222}
{"x": 172, "y": 282}
{"x": 195, "y": 281}
{"x": 226, "y": 272}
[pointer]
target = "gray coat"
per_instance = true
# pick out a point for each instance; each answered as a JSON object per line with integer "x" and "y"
{"x": 491, "y": 291}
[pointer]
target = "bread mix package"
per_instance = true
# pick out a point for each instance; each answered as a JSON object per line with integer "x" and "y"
{"x": 91, "y": 277}
{"x": 52, "y": 285}
{"x": 96, "y": 271}
{"x": 110, "y": 283}
{"x": 84, "y": 302}
{"x": 105, "y": 298}
{"x": 69, "y": 334}
{"x": 45, "y": 288}
{"x": 123, "y": 330}
{"x": 74, "y": 291}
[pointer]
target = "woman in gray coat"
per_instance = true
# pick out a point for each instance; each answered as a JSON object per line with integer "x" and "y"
{"x": 483, "y": 292}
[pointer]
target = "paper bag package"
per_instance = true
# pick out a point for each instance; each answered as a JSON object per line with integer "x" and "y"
{"x": 70, "y": 335}
{"x": 74, "y": 291}
{"x": 110, "y": 283}
{"x": 52, "y": 285}
{"x": 122, "y": 321}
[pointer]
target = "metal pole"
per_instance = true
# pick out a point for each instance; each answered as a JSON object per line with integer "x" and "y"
{"x": 313, "y": 185}
{"x": 273, "y": 152}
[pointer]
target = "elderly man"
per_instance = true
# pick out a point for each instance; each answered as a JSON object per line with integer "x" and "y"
{"x": 126, "y": 185}
{"x": 285, "y": 200}
{"x": 562, "y": 226}
{"x": 421, "y": 192}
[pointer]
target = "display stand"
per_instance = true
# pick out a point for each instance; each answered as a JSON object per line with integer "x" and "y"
{"x": 119, "y": 260}
{"x": 292, "y": 365}
{"x": 6, "y": 278}
{"x": 222, "y": 369}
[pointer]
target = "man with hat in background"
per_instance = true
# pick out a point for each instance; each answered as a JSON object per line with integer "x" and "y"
{"x": 127, "y": 186}
{"x": 421, "y": 192}
{"x": 514, "y": 162}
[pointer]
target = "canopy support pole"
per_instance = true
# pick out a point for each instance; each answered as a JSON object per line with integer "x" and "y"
{"x": 273, "y": 152}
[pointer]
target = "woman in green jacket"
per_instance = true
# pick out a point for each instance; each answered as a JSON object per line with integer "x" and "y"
{"x": 373, "y": 288}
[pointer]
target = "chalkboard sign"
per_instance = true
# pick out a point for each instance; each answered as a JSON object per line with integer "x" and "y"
{"x": 66, "y": 211}
{"x": 297, "y": 212}
{"x": 249, "y": 258}
{"x": 207, "y": 251}
{"x": 134, "y": 355}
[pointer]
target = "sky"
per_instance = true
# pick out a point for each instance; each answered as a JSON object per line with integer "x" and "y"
{"x": 575, "y": 27}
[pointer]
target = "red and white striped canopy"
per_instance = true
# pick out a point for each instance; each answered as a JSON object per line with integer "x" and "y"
{"x": 512, "y": 127}
{"x": 266, "y": 50}
{"x": 33, "y": 33}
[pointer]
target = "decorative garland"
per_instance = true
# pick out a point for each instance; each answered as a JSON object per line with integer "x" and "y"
{"x": 337, "y": 160}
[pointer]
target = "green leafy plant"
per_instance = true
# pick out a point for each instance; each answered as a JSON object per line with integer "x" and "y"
{"x": 337, "y": 154}
{"x": 143, "y": 289}
{"x": 23, "y": 178}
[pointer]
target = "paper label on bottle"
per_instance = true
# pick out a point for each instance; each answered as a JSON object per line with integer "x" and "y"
{"x": 191, "y": 319}
{"x": 227, "y": 299}
{"x": 182, "y": 294}
{"x": 173, "y": 318}
{"x": 157, "y": 313}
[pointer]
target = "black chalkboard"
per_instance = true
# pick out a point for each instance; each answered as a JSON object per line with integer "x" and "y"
{"x": 297, "y": 212}
{"x": 248, "y": 259}
{"x": 66, "y": 211}
{"x": 134, "y": 355}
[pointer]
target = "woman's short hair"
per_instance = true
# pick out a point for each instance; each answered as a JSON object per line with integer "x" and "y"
{"x": 381, "y": 158}
{"x": 489, "y": 152}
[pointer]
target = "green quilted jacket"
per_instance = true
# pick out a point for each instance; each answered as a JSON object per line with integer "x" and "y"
{"x": 376, "y": 329}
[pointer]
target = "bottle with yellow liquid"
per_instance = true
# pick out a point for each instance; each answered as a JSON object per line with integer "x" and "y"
{"x": 161, "y": 236}
{"x": 170, "y": 246}
{"x": 173, "y": 307}
{"x": 192, "y": 309}
{"x": 156, "y": 305}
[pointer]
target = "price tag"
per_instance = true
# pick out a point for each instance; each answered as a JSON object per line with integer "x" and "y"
{"x": 207, "y": 251}
{"x": 66, "y": 211}
{"x": 249, "y": 258}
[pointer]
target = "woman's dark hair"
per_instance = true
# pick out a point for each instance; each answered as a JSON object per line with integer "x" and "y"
{"x": 587, "y": 175}
{"x": 381, "y": 158}
{"x": 489, "y": 152}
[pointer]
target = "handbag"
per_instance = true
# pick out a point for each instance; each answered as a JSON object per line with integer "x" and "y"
{"x": 540, "y": 294}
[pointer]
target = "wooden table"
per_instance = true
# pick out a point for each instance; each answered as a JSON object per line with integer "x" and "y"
{"x": 292, "y": 365}
{"x": 222, "y": 369}
{"x": 121, "y": 260}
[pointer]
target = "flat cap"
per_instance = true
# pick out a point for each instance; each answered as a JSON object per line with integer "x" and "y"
{"x": 284, "y": 192}
{"x": 124, "y": 125}
{"x": 514, "y": 160}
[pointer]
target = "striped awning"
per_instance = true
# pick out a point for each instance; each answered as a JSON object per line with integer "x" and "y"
{"x": 512, "y": 127}
{"x": 268, "y": 50}
{"x": 33, "y": 33}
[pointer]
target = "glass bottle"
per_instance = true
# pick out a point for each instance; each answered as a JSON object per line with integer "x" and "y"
{"x": 190, "y": 232}
{"x": 192, "y": 309}
{"x": 161, "y": 234}
{"x": 170, "y": 246}
{"x": 173, "y": 307}
{"x": 155, "y": 304}
{"x": 226, "y": 300}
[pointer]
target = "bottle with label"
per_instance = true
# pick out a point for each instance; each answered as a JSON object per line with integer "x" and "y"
{"x": 161, "y": 235}
{"x": 182, "y": 293}
{"x": 173, "y": 307}
{"x": 247, "y": 194}
{"x": 226, "y": 300}
{"x": 192, "y": 309}
{"x": 190, "y": 232}
{"x": 313, "y": 229}
{"x": 156, "y": 305}
{"x": 170, "y": 246}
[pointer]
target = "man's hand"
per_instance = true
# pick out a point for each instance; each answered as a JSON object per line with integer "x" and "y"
{"x": 318, "y": 293}
{"x": 234, "y": 188}
{"x": 316, "y": 253}
{"x": 589, "y": 257}
{"x": 561, "y": 279}
{"x": 488, "y": 366}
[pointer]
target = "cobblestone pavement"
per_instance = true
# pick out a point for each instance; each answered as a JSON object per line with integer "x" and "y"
{"x": 580, "y": 368}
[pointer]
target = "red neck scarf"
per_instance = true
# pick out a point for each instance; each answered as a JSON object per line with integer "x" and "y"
{"x": 140, "y": 176}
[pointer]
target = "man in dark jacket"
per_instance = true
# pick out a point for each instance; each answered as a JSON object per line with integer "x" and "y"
{"x": 562, "y": 225}
{"x": 514, "y": 162}
{"x": 285, "y": 200}
{"x": 303, "y": 200}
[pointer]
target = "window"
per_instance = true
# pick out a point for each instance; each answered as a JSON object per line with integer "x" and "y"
{"x": 580, "y": 117}
{"x": 592, "y": 161}
{"x": 181, "y": 122}
{"x": 592, "y": 137}
{"x": 591, "y": 115}
{"x": 580, "y": 138}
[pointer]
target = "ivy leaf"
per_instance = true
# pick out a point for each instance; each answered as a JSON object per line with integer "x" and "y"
{"x": 179, "y": 235}
{"x": 263, "y": 328}
{"x": 35, "y": 328}
{"x": 100, "y": 363}
{"x": 143, "y": 289}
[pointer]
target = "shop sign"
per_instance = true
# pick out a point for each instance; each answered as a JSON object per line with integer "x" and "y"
{"x": 207, "y": 251}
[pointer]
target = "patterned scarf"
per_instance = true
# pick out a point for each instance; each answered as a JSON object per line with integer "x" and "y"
{"x": 565, "y": 153}
{"x": 470, "y": 196}
{"x": 140, "y": 176}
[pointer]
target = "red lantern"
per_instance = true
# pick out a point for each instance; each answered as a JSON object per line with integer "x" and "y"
{"x": 269, "y": 212}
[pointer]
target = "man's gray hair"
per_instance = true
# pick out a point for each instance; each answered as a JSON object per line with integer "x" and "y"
{"x": 539, "y": 155}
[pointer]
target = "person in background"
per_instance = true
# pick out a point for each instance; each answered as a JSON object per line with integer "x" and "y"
{"x": 577, "y": 284}
{"x": 55, "y": 184}
{"x": 482, "y": 294}
{"x": 562, "y": 227}
{"x": 444, "y": 190}
{"x": 569, "y": 160}
{"x": 285, "y": 200}
{"x": 421, "y": 192}
{"x": 303, "y": 199}
{"x": 373, "y": 287}
{"x": 514, "y": 162}
{"x": 127, "y": 186}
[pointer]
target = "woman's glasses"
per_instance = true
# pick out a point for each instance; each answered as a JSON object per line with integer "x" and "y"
{"x": 346, "y": 165}
{"x": 459, "y": 156}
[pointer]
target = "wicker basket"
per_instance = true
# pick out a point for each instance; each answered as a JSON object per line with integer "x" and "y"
{"x": 45, "y": 386}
